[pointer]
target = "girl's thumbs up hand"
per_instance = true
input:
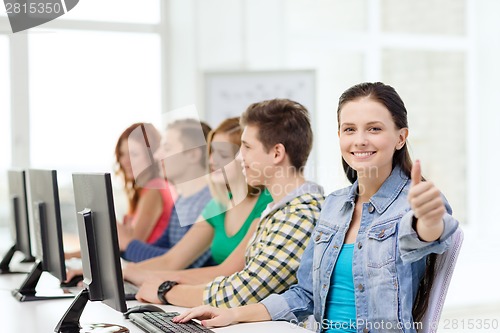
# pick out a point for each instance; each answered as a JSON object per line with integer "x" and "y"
{"x": 427, "y": 205}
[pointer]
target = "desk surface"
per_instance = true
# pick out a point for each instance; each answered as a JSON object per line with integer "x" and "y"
{"x": 43, "y": 316}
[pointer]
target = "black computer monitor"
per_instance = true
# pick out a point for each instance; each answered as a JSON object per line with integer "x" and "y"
{"x": 19, "y": 224}
{"x": 43, "y": 199}
{"x": 103, "y": 279}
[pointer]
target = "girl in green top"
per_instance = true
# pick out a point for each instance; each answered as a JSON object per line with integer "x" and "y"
{"x": 226, "y": 224}
{"x": 223, "y": 243}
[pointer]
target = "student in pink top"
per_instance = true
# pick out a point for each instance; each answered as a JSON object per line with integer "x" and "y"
{"x": 149, "y": 195}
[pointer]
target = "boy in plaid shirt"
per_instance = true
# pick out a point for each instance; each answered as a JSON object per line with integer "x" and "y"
{"x": 276, "y": 143}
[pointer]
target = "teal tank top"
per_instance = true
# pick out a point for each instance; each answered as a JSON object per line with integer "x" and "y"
{"x": 340, "y": 311}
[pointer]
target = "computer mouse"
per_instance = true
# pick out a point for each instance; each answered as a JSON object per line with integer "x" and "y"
{"x": 73, "y": 282}
{"x": 143, "y": 308}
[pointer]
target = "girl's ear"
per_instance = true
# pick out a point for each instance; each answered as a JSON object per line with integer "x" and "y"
{"x": 403, "y": 135}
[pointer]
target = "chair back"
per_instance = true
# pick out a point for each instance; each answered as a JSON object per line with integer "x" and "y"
{"x": 445, "y": 264}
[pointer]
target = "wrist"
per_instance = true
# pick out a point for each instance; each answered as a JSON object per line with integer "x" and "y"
{"x": 163, "y": 289}
{"x": 250, "y": 313}
{"x": 237, "y": 315}
{"x": 429, "y": 232}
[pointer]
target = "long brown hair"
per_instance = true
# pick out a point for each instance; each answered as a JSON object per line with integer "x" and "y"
{"x": 387, "y": 96}
{"x": 148, "y": 135}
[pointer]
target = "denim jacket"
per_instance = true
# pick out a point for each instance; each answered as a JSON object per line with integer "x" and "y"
{"x": 388, "y": 260}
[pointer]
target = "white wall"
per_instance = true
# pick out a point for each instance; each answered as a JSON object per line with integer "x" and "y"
{"x": 346, "y": 42}
{"x": 487, "y": 114}
{"x": 443, "y": 61}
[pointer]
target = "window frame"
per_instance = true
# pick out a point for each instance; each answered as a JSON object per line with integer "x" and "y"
{"x": 19, "y": 71}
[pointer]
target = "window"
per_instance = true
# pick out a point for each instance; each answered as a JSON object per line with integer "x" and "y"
{"x": 445, "y": 17}
{"x": 5, "y": 146}
{"x": 313, "y": 18}
{"x": 85, "y": 89}
{"x": 132, "y": 11}
{"x": 432, "y": 85}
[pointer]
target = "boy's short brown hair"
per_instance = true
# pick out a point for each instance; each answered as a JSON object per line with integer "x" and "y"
{"x": 193, "y": 134}
{"x": 282, "y": 121}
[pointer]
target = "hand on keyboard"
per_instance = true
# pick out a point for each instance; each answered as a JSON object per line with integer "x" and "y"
{"x": 209, "y": 316}
{"x": 156, "y": 322}
{"x": 72, "y": 275}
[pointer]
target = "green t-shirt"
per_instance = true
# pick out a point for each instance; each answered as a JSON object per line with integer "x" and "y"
{"x": 222, "y": 244}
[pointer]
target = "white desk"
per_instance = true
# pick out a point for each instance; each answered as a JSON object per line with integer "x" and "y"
{"x": 43, "y": 316}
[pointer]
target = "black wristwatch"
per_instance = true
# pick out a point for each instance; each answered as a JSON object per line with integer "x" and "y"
{"x": 163, "y": 289}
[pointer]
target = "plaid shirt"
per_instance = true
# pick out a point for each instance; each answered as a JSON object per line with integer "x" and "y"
{"x": 273, "y": 255}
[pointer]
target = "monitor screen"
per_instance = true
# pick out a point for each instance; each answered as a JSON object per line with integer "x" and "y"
{"x": 19, "y": 212}
{"x": 98, "y": 239}
{"x": 43, "y": 194}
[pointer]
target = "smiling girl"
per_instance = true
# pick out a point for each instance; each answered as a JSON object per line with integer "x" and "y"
{"x": 371, "y": 257}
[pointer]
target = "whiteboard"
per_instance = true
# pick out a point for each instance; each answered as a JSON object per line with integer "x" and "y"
{"x": 228, "y": 94}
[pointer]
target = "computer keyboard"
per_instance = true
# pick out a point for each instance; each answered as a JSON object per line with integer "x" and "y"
{"x": 161, "y": 322}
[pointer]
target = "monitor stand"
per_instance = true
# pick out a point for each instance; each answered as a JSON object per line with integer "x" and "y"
{"x": 70, "y": 322}
{"x": 5, "y": 263}
{"x": 27, "y": 292}
{"x": 28, "y": 259}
